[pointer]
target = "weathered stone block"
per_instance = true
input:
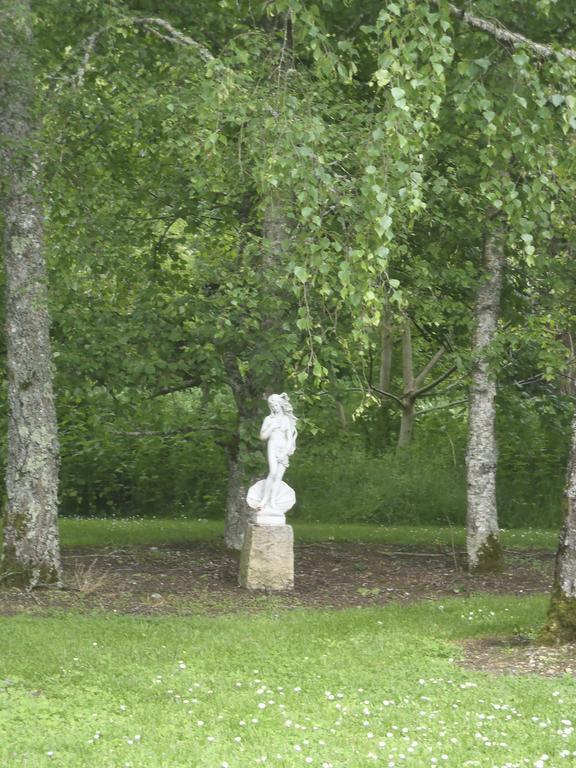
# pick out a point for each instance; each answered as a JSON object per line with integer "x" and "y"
{"x": 267, "y": 560}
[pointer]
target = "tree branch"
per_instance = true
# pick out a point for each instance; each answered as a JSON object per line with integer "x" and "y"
{"x": 89, "y": 46}
{"x": 170, "y": 433}
{"x": 504, "y": 35}
{"x": 438, "y": 355}
{"x": 174, "y": 35}
{"x": 424, "y": 390}
{"x": 383, "y": 393}
{"x": 439, "y": 407}
{"x": 189, "y": 384}
{"x": 151, "y": 24}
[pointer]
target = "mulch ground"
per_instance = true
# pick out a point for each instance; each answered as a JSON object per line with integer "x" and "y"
{"x": 201, "y": 578}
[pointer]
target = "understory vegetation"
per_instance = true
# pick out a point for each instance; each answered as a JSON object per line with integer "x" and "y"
{"x": 339, "y": 475}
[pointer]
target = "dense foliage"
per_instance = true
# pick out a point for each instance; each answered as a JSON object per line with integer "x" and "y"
{"x": 246, "y": 195}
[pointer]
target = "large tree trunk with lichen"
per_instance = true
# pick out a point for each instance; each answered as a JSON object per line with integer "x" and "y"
{"x": 483, "y": 538}
{"x": 561, "y": 624}
{"x": 31, "y": 553}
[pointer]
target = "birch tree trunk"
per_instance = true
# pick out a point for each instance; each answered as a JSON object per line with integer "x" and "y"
{"x": 561, "y": 624}
{"x": 31, "y": 552}
{"x": 483, "y": 538}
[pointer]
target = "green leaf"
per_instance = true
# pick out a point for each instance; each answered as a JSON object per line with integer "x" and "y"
{"x": 301, "y": 273}
{"x": 382, "y": 77}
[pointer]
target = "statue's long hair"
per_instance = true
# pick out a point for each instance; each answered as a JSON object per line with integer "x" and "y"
{"x": 288, "y": 410}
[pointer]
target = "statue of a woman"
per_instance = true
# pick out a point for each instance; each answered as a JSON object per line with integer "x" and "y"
{"x": 271, "y": 497}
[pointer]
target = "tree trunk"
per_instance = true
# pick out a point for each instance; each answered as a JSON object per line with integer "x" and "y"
{"x": 244, "y": 453}
{"x": 236, "y": 507}
{"x": 385, "y": 417}
{"x": 386, "y": 348}
{"x": 406, "y": 423}
{"x": 568, "y": 382}
{"x": 408, "y": 399}
{"x": 340, "y": 409}
{"x": 561, "y": 624}
{"x": 266, "y": 373}
{"x": 483, "y": 538}
{"x": 31, "y": 552}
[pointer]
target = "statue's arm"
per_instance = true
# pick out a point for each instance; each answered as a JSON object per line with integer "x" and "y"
{"x": 267, "y": 428}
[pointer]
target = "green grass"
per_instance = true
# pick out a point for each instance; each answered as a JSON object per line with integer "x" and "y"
{"x": 345, "y": 689}
{"x": 93, "y": 532}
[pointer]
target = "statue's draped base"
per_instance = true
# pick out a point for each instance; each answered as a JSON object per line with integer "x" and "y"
{"x": 267, "y": 560}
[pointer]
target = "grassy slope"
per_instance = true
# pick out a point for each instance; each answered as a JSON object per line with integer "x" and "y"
{"x": 344, "y": 689}
{"x": 122, "y": 532}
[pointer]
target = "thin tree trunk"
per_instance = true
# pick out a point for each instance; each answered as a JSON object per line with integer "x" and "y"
{"x": 483, "y": 537}
{"x": 386, "y": 348}
{"x": 561, "y": 624}
{"x": 408, "y": 398}
{"x": 31, "y": 552}
{"x": 384, "y": 420}
{"x": 236, "y": 507}
{"x": 340, "y": 410}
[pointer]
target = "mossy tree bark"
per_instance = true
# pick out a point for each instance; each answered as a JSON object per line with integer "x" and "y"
{"x": 483, "y": 536}
{"x": 560, "y": 626}
{"x": 31, "y": 552}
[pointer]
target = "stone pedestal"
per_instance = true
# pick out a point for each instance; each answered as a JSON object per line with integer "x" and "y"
{"x": 267, "y": 560}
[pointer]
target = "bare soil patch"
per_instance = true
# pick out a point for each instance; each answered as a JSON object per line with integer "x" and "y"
{"x": 519, "y": 656}
{"x": 201, "y": 577}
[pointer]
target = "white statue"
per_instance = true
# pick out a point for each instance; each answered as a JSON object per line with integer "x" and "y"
{"x": 272, "y": 498}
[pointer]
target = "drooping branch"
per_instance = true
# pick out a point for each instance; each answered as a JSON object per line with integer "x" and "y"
{"x": 154, "y": 24}
{"x": 499, "y": 31}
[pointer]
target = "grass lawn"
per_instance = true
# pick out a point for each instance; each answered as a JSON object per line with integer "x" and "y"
{"x": 285, "y": 686}
{"x": 97, "y": 532}
{"x": 345, "y": 689}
